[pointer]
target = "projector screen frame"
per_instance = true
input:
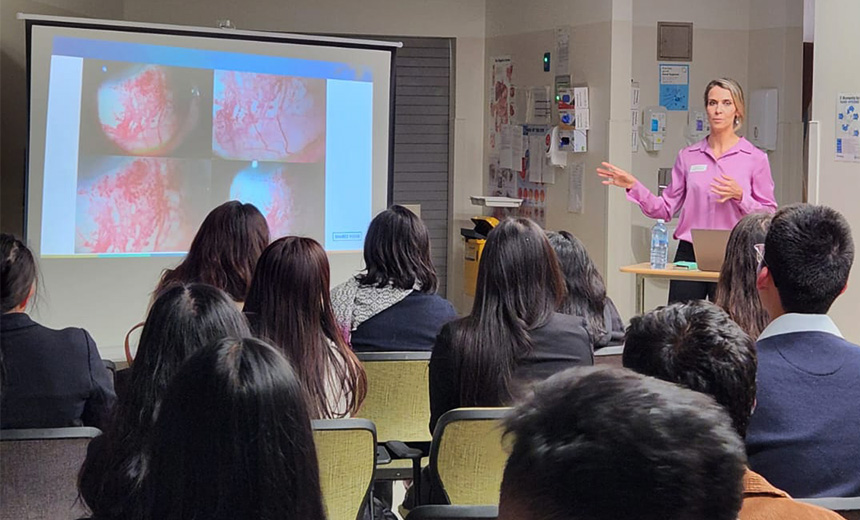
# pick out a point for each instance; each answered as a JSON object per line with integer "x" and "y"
{"x": 32, "y": 20}
{"x": 105, "y": 321}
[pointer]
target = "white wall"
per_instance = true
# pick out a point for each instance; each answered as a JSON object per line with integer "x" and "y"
{"x": 837, "y": 50}
{"x": 525, "y": 35}
{"x": 459, "y": 19}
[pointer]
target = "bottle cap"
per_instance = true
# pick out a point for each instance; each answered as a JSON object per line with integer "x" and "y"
{"x": 661, "y": 221}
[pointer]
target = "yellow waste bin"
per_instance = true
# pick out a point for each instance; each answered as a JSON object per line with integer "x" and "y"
{"x": 475, "y": 240}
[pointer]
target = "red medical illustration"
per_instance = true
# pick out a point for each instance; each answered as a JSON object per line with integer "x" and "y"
{"x": 141, "y": 112}
{"x": 133, "y": 208}
{"x": 269, "y": 118}
{"x": 269, "y": 190}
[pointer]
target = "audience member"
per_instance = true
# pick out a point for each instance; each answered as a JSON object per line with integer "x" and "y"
{"x": 183, "y": 319}
{"x": 736, "y": 290}
{"x": 607, "y": 444}
{"x": 393, "y": 305}
{"x": 288, "y": 304}
{"x": 586, "y": 292}
{"x": 804, "y": 435}
{"x": 514, "y": 336}
{"x": 233, "y": 440}
{"x": 50, "y": 378}
{"x": 698, "y": 346}
{"x": 224, "y": 251}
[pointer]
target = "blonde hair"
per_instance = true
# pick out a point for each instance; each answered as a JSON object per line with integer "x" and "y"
{"x": 737, "y": 97}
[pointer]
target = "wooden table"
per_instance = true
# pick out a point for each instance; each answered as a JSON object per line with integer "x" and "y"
{"x": 643, "y": 271}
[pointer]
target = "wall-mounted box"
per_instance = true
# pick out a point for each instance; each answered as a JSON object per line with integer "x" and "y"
{"x": 763, "y": 119}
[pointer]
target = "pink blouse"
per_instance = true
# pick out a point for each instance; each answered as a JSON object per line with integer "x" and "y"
{"x": 690, "y": 190}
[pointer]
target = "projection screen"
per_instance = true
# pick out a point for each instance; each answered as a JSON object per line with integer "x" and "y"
{"x": 137, "y": 131}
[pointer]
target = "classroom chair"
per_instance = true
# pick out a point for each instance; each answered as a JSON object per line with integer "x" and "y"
{"x": 346, "y": 450}
{"x": 454, "y": 513}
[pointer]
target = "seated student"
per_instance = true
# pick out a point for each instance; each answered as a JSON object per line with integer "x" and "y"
{"x": 183, "y": 319}
{"x": 736, "y": 292}
{"x": 609, "y": 444}
{"x": 514, "y": 336}
{"x": 804, "y": 435}
{"x": 393, "y": 305}
{"x": 208, "y": 458}
{"x": 696, "y": 345}
{"x": 288, "y": 305}
{"x": 224, "y": 251}
{"x": 50, "y": 378}
{"x": 586, "y": 292}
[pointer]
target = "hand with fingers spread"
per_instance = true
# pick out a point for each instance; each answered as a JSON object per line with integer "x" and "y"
{"x": 615, "y": 176}
{"x": 726, "y": 188}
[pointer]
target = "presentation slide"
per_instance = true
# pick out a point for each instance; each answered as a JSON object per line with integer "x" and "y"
{"x": 137, "y": 131}
{"x": 143, "y": 140}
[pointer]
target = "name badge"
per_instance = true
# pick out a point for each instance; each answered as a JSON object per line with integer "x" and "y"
{"x": 698, "y": 168}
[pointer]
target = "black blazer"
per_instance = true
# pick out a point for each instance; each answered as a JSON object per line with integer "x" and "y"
{"x": 560, "y": 344}
{"x": 51, "y": 378}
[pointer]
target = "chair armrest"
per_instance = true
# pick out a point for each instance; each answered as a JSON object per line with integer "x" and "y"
{"x": 400, "y": 450}
{"x": 382, "y": 455}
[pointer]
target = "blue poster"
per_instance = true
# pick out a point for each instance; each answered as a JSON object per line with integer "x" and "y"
{"x": 674, "y": 86}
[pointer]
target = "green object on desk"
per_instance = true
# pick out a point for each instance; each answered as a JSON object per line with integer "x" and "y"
{"x": 690, "y": 266}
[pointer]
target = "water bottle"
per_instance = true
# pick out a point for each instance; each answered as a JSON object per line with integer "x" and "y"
{"x": 659, "y": 245}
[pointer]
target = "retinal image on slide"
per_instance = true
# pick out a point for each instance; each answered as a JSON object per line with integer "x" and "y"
{"x": 139, "y": 204}
{"x": 291, "y": 196}
{"x": 266, "y": 117}
{"x": 160, "y": 146}
{"x": 140, "y": 109}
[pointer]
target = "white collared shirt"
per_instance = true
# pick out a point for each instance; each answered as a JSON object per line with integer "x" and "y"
{"x": 796, "y": 322}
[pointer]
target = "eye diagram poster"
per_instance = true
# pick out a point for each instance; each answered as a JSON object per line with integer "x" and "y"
{"x": 848, "y": 128}
{"x": 674, "y": 86}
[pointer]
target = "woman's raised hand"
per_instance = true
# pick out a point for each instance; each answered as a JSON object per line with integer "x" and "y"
{"x": 614, "y": 176}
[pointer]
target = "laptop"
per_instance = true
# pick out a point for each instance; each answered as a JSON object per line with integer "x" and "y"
{"x": 710, "y": 248}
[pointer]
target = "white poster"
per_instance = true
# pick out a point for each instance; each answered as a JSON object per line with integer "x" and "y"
{"x": 500, "y": 97}
{"x": 577, "y": 181}
{"x": 848, "y": 128}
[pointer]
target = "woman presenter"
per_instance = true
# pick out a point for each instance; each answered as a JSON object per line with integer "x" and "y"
{"x": 715, "y": 182}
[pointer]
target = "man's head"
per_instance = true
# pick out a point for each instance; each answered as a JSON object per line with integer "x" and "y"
{"x": 807, "y": 258}
{"x": 697, "y": 346}
{"x": 594, "y": 444}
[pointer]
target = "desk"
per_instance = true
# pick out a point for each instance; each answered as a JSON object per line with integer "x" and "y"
{"x": 643, "y": 271}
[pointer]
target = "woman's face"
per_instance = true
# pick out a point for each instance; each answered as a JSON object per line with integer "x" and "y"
{"x": 721, "y": 109}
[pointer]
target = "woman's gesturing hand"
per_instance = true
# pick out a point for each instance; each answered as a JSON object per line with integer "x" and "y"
{"x": 615, "y": 176}
{"x": 726, "y": 188}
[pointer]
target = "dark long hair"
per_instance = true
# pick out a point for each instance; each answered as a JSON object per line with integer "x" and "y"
{"x": 736, "y": 290}
{"x": 233, "y": 440}
{"x": 586, "y": 292}
{"x": 183, "y": 319}
{"x": 397, "y": 251}
{"x": 224, "y": 250}
{"x": 289, "y": 304}
{"x": 519, "y": 287}
{"x": 18, "y": 272}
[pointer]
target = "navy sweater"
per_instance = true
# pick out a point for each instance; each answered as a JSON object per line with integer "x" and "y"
{"x": 409, "y": 325}
{"x": 804, "y": 436}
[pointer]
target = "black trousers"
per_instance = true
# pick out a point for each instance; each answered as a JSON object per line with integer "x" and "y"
{"x": 682, "y": 291}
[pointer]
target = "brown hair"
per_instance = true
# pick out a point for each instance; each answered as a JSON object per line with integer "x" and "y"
{"x": 737, "y": 97}
{"x": 224, "y": 250}
{"x": 736, "y": 290}
{"x": 289, "y": 304}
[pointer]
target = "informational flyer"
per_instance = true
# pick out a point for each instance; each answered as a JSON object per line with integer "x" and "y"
{"x": 500, "y": 97}
{"x": 848, "y": 128}
{"x": 674, "y": 86}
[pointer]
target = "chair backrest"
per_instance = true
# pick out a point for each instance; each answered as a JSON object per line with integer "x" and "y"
{"x": 346, "y": 450}
{"x": 39, "y": 472}
{"x": 849, "y": 508}
{"x": 610, "y": 356}
{"x": 468, "y": 455}
{"x": 454, "y": 513}
{"x": 398, "y": 398}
